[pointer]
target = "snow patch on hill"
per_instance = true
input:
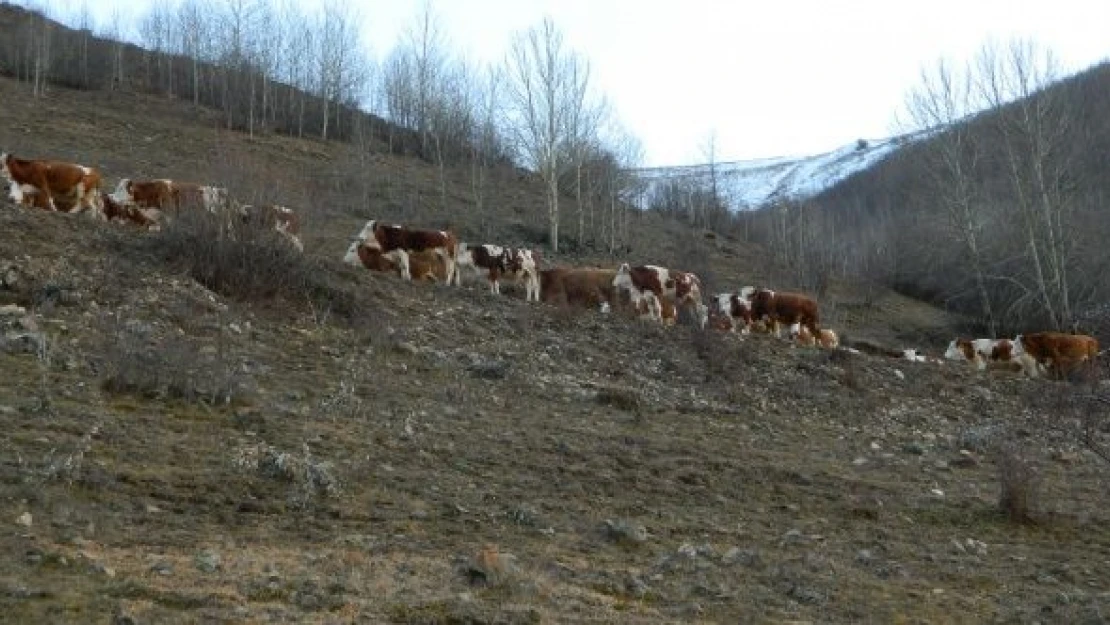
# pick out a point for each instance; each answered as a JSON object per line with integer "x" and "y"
{"x": 755, "y": 183}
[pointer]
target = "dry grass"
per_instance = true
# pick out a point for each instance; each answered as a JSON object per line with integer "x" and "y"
{"x": 734, "y": 494}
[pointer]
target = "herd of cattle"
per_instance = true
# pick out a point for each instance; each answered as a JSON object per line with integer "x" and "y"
{"x": 650, "y": 292}
{"x": 72, "y": 188}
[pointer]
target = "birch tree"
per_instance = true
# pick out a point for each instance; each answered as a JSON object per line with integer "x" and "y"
{"x": 543, "y": 76}
{"x": 1032, "y": 130}
{"x": 944, "y": 100}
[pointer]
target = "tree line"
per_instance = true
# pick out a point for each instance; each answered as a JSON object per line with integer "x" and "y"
{"x": 273, "y": 66}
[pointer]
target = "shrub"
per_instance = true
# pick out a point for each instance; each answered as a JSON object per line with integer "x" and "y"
{"x": 309, "y": 478}
{"x": 247, "y": 260}
{"x": 1018, "y": 483}
{"x": 241, "y": 259}
{"x": 171, "y": 367}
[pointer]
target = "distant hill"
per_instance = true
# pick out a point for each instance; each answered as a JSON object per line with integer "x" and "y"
{"x": 755, "y": 183}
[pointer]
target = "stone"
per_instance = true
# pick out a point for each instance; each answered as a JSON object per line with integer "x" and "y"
{"x": 914, "y": 448}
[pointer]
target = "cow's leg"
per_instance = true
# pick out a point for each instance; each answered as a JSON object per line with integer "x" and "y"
{"x": 532, "y": 288}
{"x": 450, "y": 265}
{"x": 494, "y": 281}
{"x": 401, "y": 257}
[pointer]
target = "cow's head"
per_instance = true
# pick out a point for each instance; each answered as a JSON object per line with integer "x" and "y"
{"x": 623, "y": 279}
{"x": 1018, "y": 347}
{"x": 123, "y": 190}
{"x": 462, "y": 252}
{"x": 365, "y": 236}
{"x": 15, "y": 192}
{"x": 520, "y": 261}
{"x": 687, "y": 286}
{"x": 747, "y": 292}
{"x": 912, "y": 355}
{"x": 721, "y": 303}
{"x": 702, "y": 314}
{"x": 954, "y": 352}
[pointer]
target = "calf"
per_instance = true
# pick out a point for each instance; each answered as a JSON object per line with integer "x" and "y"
{"x": 397, "y": 242}
{"x": 981, "y": 352}
{"x": 524, "y": 266}
{"x": 734, "y": 309}
{"x": 28, "y": 195}
{"x": 53, "y": 185}
{"x": 425, "y": 265}
{"x": 1055, "y": 351}
{"x": 164, "y": 194}
{"x": 283, "y": 219}
{"x": 681, "y": 286}
{"x": 128, "y": 213}
{"x": 826, "y": 338}
{"x": 493, "y": 260}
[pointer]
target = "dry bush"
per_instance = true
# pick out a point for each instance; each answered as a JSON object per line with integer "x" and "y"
{"x": 1019, "y": 483}
{"x": 1077, "y": 412}
{"x": 173, "y": 367}
{"x": 722, "y": 357}
{"x": 241, "y": 259}
{"x": 247, "y": 260}
{"x": 623, "y": 399}
{"x": 309, "y": 478}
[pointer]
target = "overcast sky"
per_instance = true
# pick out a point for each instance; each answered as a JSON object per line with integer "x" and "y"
{"x": 769, "y": 78}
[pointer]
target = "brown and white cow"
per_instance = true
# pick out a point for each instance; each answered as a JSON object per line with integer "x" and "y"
{"x": 164, "y": 195}
{"x": 517, "y": 265}
{"x": 425, "y": 266}
{"x": 680, "y": 286}
{"x": 587, "y": 287}
{"x": 783, "y": 308}
{"x": 397, "y": 242}
{"x": 53, "y": 185}
{"x": 28, "y": 195}
{"x": 490, "y": 259}
{"x": 282, "y": 218}
{"x": 128, "y": 213}
{"x": 1057, "y": 352}
{"x": 981, "y": 352}
{"x": 735, "y": 309}
{"x": 523, "y": 266}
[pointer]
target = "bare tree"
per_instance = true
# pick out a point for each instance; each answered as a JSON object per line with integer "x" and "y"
{"x": 485, "y": 144}
{"x": 944, "y": 101}
{"x": 342, "y": 68}
{"x": 40, "y": 47}
{"x": 1032, "y": 129}
{"x": 193, "y": 29}
{"x": 584, "y": 119}
{"x": 624, "y": 187}
{"x": 543, "y": 78}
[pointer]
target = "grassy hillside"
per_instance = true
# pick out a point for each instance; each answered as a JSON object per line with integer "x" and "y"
{"x": 359, "y": 449}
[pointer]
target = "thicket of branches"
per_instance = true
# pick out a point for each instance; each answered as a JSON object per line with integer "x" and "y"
{"x": 272, "y": 66}
{"x": 1002, "y": 213}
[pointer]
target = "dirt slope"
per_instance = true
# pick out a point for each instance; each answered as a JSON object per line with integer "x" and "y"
{"x": 174, "y": 455}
